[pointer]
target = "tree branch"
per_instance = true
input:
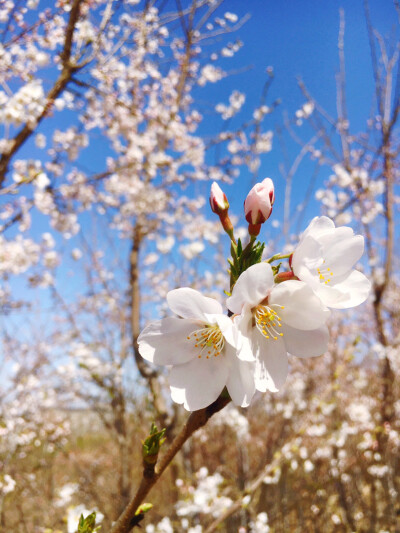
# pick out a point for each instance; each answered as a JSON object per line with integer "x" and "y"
{"x": 59, "y": 85}
{"x": 196, "y": 420}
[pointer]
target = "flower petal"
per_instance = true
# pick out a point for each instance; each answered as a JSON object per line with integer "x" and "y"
{"x": 252, "y": 287}
{"x": 199, "y": 382}
{"x": 188, "y": 303}
{"x": 318, "y": 226}
{"x": 342, "y": 251}
{"x": 228, "y": 329}
{"x": 271, "y": 367}
{"x": 307, "y": 254}
{"x": 244, "y": 329}
{"x": 302, "y": 309}
{"x": 305, "y": 343}
{"x": 165, "y": 342}
{"x": 350, "y": 292}
{"x": 241, "y": 385}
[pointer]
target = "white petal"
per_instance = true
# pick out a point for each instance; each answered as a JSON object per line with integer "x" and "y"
{"x": 272, "y": 363}
{"x": 302, "y": 309}
{"x": 319, "y": 226}
{"x": 241, "y": 385}
{"x": 342, "y": 253}
{"x": 165, "y": 342}
{"x": 305, "y": 343}
{"x": 188, "y": 303}
{"x": 198, "y": 383}
{"x": 350, "y": 292}
{"x": 252, "y": 287}
{"x": 227, "y": 328}
{"x": 307, "y": 254}
{"x": 244, "y": 327}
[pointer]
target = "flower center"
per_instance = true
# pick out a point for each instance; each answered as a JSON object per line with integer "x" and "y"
{"x": 325, "y": 274}
{"x": 209, "y": 341}
{"x": 267, "y": 321}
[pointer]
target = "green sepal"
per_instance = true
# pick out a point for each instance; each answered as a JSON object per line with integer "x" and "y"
{"x": 275, "y": 269}
{"x": 242, "y": 259}
{"x": 239, "y": 248}
{"x": 88, "y": 524}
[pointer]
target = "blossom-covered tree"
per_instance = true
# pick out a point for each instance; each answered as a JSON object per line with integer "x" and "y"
{"x": 107, "y": 157}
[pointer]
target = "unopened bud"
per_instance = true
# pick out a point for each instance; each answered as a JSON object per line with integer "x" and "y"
{"x": 218, "y": 201}
{"x": 259, "y": 202}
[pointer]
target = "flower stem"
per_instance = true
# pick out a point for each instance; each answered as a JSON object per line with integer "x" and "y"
{"x": 196, "y": 420}
{"x": 277, "y": 257}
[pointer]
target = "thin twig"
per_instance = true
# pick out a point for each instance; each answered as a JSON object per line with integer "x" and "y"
{"x": 196, "y": 420}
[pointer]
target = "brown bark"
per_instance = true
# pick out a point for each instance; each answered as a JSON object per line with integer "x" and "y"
{"x": 151, "y": 375}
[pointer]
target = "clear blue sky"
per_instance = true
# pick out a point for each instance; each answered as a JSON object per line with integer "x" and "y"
{"x": 299, "y": 39}
{"x": 296, "y": 38}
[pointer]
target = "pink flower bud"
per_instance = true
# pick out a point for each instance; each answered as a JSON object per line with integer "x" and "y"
{"x": 259, "y": 202}
{"x": 218, "y": 201}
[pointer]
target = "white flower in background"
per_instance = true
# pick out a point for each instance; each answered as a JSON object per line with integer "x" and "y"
{"x": 274, "y": 320}
{"x": 206, "y": 497}
{"x": 42, "y": 180}
{"x": 76, "y": 254}
{"x": 201, "y": 347}
{"x": 324, "y": 259}
{"x": 260, "y": 525}
{"x": 7, "y": 484}
{"x": 231, "y": 17}
{"x": 191, "y": 250}
{"x": 165, "y": 245}
{"x": 164, "y": 526}
{"x": 65, "y": 494}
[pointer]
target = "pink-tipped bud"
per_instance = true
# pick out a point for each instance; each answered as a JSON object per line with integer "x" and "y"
{"x": 259, "y": 202}
{"x": 218, "y": 201}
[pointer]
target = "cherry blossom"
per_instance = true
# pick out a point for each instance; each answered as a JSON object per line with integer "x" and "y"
{"x": 218, "y": 200}
{"x": 201, "y": 348}
{"x": 274, "y": 320}
{"x": 325, "y": 258}
{"x": 259, "y": 202}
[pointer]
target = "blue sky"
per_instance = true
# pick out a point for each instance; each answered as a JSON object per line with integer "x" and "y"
{"x": 296, "y": 38}
{"x": 299, "y": 39}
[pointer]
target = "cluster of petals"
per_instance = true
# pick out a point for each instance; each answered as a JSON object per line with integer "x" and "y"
{"x": 209, "y": 351}
{"x": 200, "y": 345}
{"x": 324, "y": 259}
{"x": 274, "y": 319}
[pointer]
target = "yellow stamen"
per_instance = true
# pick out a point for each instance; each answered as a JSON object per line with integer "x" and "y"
{"x": 209, "y": 337}
{"x": 267, "y": 320}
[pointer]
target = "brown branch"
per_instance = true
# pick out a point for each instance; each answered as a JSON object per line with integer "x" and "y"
{"x": 149, "y": 374}
{"x": 196, "y": 420}
{"x": 59, "y": 85}
{"x": 341, "y": 95}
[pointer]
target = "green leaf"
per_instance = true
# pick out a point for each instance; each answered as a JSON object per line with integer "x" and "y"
{"x": 152, "y": 444}
{"x": 144, "y": 508}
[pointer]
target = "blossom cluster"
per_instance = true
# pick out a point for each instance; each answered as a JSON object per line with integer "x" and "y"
{"x": 270, "y": 313}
